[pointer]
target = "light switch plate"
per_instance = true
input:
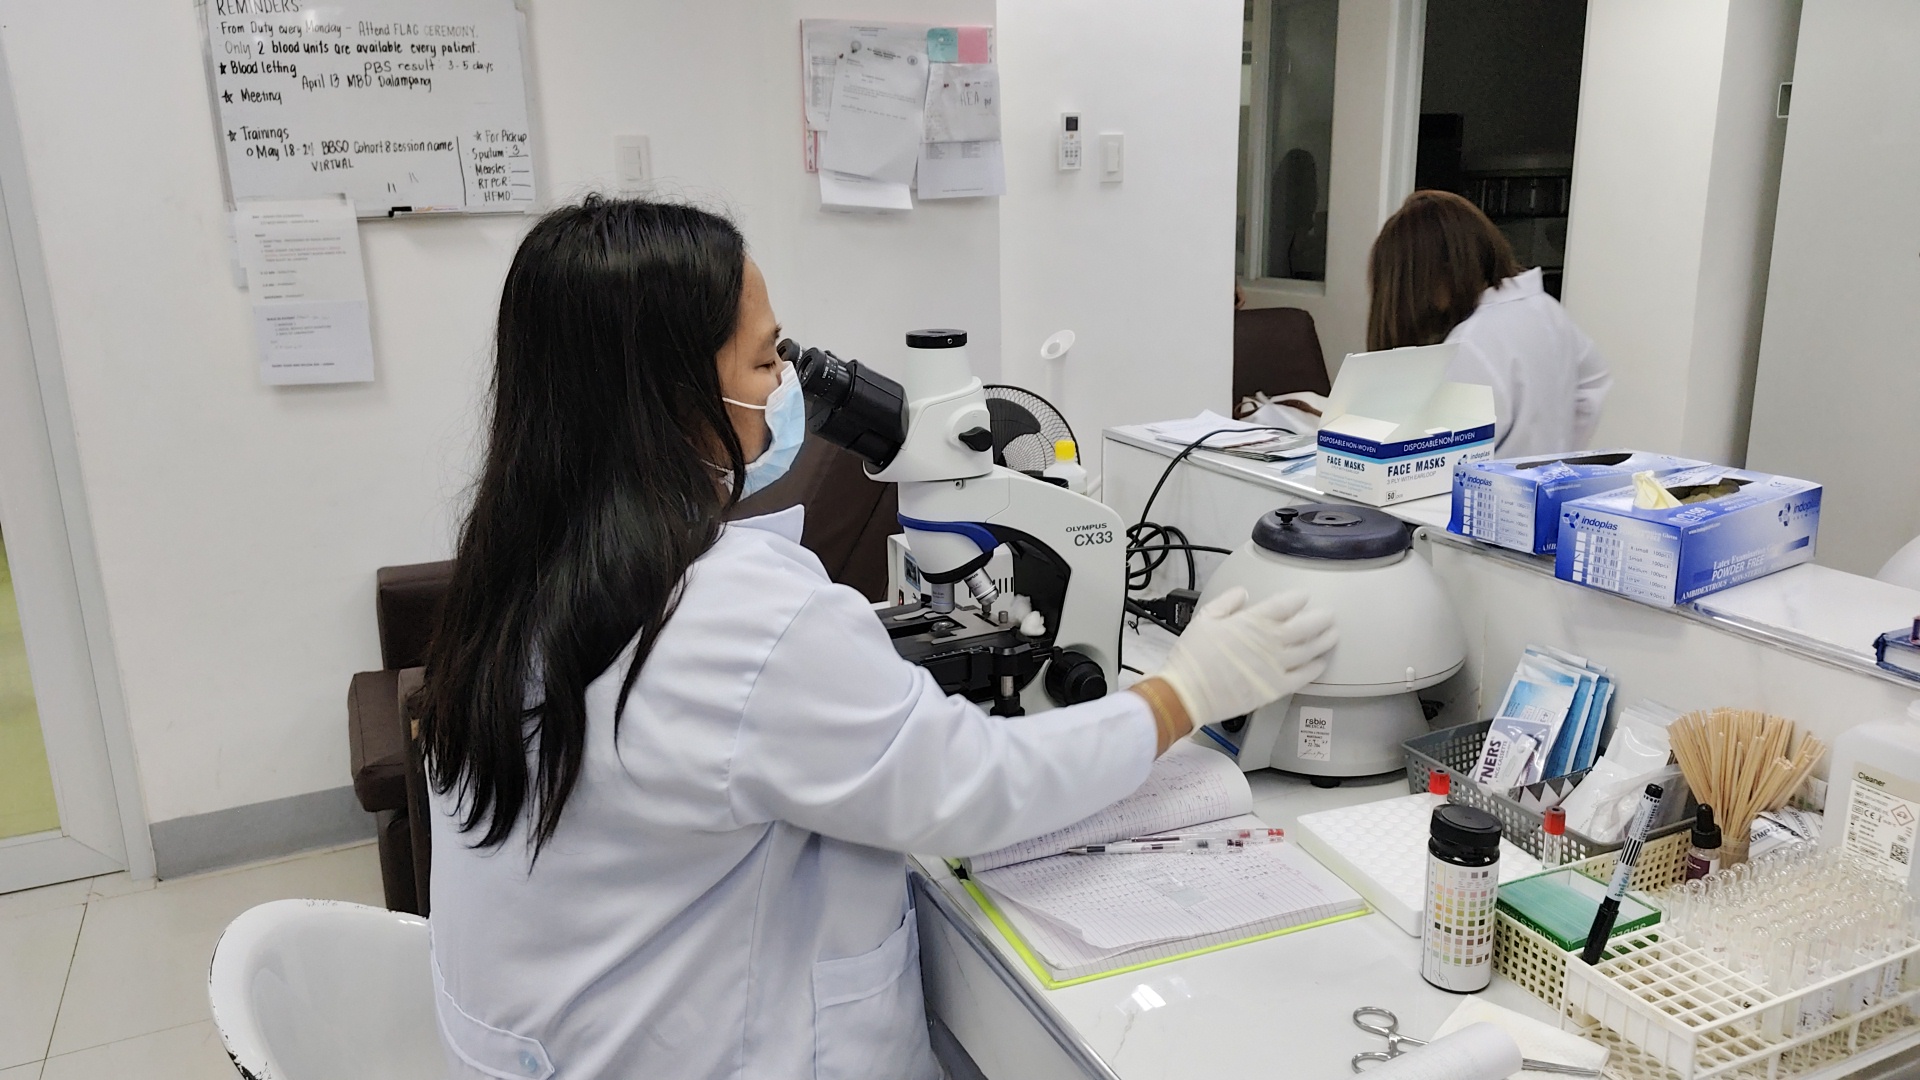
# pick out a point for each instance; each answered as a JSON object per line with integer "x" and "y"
{"x": 632, "y": 163}
{"x": 1112, "y": 157}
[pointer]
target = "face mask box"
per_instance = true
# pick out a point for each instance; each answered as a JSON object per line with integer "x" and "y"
{"x": 1761, "y": 524}
{"x": 1515, "y": 502}
{"x": 1395, "y": 428}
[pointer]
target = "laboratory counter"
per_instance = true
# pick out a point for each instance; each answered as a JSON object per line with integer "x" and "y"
{"x": 1275, "y": 1009}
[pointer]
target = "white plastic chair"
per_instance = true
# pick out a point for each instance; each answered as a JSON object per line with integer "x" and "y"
{"x": 323, "y": 990}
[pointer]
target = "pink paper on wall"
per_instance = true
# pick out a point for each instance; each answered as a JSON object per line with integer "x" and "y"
{"x": 974, "y": 44}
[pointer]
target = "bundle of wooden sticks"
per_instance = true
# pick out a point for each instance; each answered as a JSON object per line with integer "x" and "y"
{"x": 1742, "y": 763}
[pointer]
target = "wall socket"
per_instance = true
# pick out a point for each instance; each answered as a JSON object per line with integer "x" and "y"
{"x": 632, "y": 164}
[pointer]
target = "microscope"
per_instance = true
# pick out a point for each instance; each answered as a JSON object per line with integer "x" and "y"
{"x": 932, "y": 434}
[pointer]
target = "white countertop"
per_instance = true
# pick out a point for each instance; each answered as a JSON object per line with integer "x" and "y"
{"x": 1823, "y": 613}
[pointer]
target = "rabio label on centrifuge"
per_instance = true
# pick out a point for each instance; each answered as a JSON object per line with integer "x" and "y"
{"x": 1883, "y": 817}
{"x": 1316, "y": 734}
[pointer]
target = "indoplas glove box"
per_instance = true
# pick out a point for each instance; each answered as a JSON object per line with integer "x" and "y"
{"x": 1515, "y": 502}
{"x": 1733, "y": 526}
{"x": 1395, "y": 427}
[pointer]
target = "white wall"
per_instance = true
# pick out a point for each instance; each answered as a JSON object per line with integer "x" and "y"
{"x": 1839, "y": 387}
{"x": 1141, "y": 271}
{"x": 1674, "y": 171}
{"x": 238, "y": 527}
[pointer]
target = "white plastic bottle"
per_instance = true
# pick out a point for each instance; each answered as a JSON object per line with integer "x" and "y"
{"x": 1066, "y": 466}
{"x": 1873, "y": 796}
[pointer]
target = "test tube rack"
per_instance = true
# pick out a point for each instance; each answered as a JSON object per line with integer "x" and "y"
{"x": 1669, "y": 1011}
{"x": 1675, "y": 1011}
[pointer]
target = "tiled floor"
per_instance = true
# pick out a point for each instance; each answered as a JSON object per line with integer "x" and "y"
{"x": 107, "y": 979}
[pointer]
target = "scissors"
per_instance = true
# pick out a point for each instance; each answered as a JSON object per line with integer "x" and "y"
{"x": 1377, "y": 1021}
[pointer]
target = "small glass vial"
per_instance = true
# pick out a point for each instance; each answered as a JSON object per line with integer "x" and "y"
{"x": 1553, "y": 838}
{"x": 1703, "y": 857}
{"x": 1463, "y": 878}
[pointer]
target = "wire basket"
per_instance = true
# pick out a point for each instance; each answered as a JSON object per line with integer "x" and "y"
{"x": 1455, "y": 750}
{"x": 1529, "y": 958}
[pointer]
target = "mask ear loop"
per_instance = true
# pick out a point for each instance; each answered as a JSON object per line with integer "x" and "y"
{"x": 786, "y": 373}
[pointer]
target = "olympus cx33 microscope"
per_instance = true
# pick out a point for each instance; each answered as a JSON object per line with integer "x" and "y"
{"x": 931, "y": 434}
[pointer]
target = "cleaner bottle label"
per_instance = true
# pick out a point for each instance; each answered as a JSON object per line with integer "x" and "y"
{"x": 1883, "y": 818}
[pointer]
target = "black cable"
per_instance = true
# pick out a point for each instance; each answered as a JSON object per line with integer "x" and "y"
{"x": 1155, "y": 543}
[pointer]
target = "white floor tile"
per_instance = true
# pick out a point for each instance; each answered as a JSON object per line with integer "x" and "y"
{"x": 35, "y": 951}
{"x": 191, "y": 1052}
{"x": 141, "y": 965}
{"x": 108, "y": 885}
{"x": 46, "y": 898}
{"x": 29, "y": 1071}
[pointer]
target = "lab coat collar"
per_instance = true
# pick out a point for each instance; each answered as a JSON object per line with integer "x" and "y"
{"x": 1518, "y": 287}
{"x": 782, "y": 523}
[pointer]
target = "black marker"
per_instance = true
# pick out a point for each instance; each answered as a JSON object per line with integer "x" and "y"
{"x": 1622, "y": 872}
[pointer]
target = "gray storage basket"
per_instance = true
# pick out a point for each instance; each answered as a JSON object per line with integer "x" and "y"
{"x": 1456, "y": 750}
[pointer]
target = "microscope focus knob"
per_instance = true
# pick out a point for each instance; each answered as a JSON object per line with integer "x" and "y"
{"x": 976, "y": 439}
{"x": 1073, "y": 678}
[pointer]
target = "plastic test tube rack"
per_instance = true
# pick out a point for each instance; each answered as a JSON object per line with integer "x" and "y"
{"x": 1674, "y": 1010}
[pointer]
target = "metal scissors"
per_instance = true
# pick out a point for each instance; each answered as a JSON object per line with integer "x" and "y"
{"x": 1375, "y": 1020}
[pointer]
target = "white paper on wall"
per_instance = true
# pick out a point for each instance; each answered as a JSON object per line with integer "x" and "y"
{"x": 308, "y": 288}
{"x": 961, "y": 170}
{"x": 824, "y": 41}
{"x": 963, "y": 103}
{"x": 839, "y": 191}
{"x": 878, "y": 115}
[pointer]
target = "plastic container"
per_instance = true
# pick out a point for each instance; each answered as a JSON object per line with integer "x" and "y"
{"x": 1463, "y": 875}
{"x": 1553, "y": 839}
{"x": 1066, "y": 467}
{"x": 1873, "y": 796}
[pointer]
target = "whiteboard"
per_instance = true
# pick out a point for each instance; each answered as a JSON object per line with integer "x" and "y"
{"x": 401, "y": 105}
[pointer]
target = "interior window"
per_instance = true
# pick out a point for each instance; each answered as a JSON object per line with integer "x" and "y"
{"x": 1286, "y": 138}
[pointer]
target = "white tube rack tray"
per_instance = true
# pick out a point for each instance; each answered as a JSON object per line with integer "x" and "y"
{"x": 1671, "y": 1010}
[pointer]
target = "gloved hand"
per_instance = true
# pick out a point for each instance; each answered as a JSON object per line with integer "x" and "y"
{"x": 1233, "y": 658}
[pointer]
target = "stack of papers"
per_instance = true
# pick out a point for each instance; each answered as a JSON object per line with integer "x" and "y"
{"x": 1236, "y": 437}
{"x": 895, "y": 107}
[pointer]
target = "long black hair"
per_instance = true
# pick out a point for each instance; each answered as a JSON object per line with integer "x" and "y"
{"x": 596, "y": 495}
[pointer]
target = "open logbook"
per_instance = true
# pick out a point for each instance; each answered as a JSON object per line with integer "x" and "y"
{"x": 1078, "y": 917}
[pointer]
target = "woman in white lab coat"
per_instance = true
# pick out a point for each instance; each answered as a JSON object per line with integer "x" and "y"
{"x": 673, "y": 767}
{"x": 1440, "y": 271}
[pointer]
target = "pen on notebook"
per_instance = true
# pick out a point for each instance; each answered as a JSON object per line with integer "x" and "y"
{"x": 1184, "y": 843}
{"x": 1622, "y": 873}
{"x": 1244, "y": 836}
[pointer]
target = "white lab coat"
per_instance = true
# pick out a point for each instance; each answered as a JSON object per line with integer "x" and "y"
{"x": 725, "y": 894}
{"x": 1548, "y": 380}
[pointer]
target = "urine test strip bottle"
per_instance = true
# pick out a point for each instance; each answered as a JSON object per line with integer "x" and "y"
{"x": 1463, "y": 880}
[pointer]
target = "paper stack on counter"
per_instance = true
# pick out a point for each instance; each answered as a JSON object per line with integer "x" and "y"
{"x": 892, "y": 108}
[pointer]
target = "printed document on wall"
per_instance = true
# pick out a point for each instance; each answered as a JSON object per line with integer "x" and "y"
{"x": 963, "y": 102}
{"x": 961, "y": 170}
{"x": 824, "y": 41}
{"x": 308, "y": 288}
{"x": 878, "y": 116}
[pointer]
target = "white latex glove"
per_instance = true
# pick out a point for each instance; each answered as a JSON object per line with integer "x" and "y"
{"x": 1232, "y": 658}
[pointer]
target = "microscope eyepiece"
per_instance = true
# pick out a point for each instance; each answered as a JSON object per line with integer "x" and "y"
{"x": 851, "y": 405}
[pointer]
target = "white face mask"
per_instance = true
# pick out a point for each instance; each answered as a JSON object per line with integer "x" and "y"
{"x": 786, "y": 413}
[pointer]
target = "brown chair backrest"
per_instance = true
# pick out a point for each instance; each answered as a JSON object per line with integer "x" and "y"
{"x": 1276, "y": 351}
{"x": 849, "y": 516}
{"x": 406, "y": 604}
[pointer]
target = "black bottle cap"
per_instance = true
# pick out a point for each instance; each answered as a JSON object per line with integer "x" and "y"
{"x": 1475, "y": 831}
{"x": 1706, "y": 833}
{"x": 936, "y": 339}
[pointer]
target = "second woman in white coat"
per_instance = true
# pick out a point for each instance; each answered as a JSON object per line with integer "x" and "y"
{"x": 1441, "y": 271}
{"x": 674, "y": 767}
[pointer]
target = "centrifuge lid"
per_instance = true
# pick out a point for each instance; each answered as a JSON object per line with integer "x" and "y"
{"x": 1330, "y": 531}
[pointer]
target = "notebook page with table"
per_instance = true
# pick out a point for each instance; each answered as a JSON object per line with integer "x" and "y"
{"x": 1077, "y": 917}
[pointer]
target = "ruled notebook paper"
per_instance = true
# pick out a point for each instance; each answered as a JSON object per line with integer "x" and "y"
{"x": 1188, "y": 784}
{"x": 1080, "y": 916}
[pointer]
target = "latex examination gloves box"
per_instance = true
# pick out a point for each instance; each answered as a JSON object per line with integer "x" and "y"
{"x": 1515, "y": 502}
{"x": 1733, "y": 526}
{"x": 1395, "y": 428}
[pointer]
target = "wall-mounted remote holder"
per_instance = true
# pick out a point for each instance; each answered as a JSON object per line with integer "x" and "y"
{"x": 1069, "y": 141}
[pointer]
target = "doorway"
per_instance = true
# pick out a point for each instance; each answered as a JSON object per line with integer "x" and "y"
{"x": 1499, "y": 98}
{"x": 69, "y": 805}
